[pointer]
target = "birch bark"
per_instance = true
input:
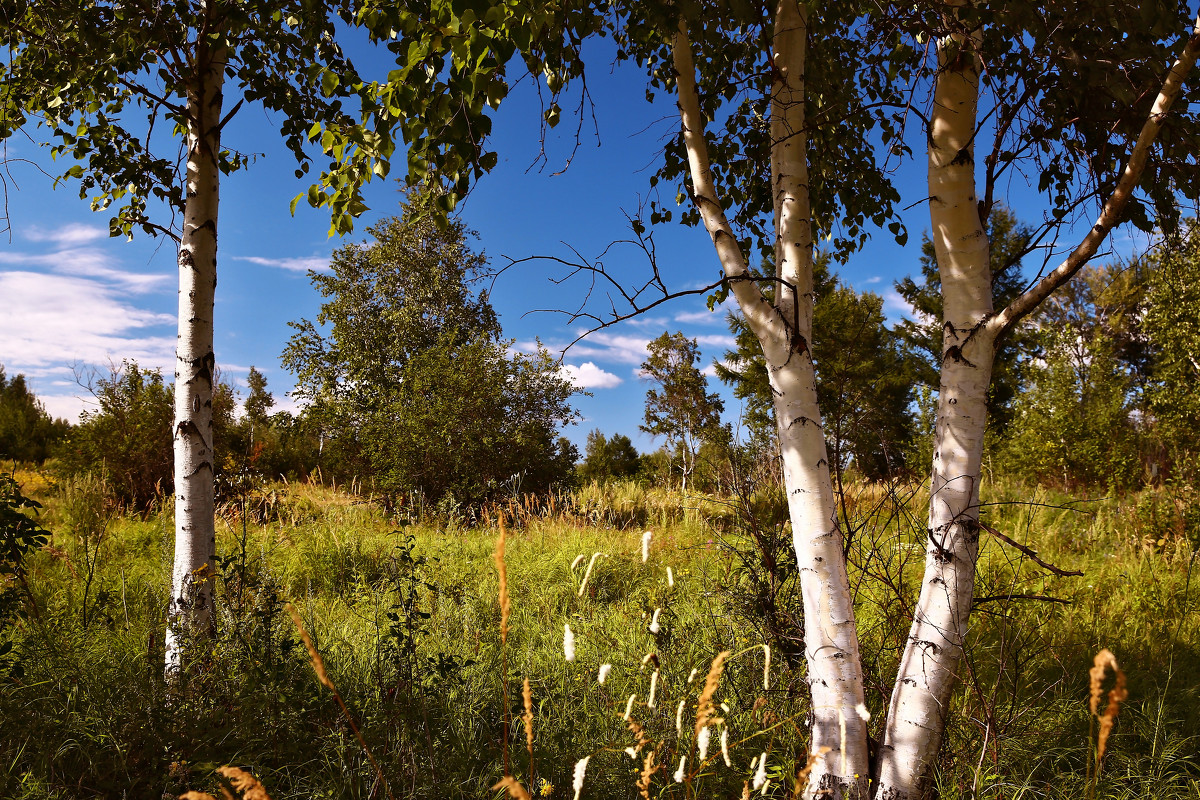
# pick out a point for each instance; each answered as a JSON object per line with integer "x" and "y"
{"x": 933, "y": 653}
{"x": 192, "y": 580}
{"x": 929, "y": 665}
{"x": 784, "y": 328}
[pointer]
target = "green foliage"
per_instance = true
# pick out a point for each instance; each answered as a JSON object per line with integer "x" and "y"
{"x": 409, "y": 381}
{"x": 864, "y": 385}
{"x": 407, "y": 623}
{"x": 110, "y": 86}
{"x": 20, "y": 537}
{"x": 127, "y": 439}
{"x": 1172, "y": 325}
{"x": 1010, "y": 241}
{"x": 1073, "y": 426}
{"x": 472, "y": 422}
{"x": 681, "y": 409}
{"x": 27, "y": 432}
{"x": 607, "y": 459}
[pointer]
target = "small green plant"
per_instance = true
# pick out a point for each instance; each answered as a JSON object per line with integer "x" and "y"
{"x": 20, "y": 535}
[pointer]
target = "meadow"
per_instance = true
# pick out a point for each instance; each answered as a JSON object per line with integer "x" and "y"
{"x": 404, "y": 608}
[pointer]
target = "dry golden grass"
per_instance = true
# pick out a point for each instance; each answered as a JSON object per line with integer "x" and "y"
{"x": 1104, "y": 662}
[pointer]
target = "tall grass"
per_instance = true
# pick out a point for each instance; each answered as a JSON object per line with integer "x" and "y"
{"x": 406, "y": 615}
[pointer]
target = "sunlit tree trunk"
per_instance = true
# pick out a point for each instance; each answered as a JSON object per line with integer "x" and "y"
{"x": 933, "y": 652}
{"x": 784, "y": 328}
{"x": 192, "y": 581}
{"x": 932, "y": 658}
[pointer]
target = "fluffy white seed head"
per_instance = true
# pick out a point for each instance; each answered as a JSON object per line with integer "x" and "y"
{"x": 629, "y": 707}
{"x": 725, "y": 746}
{"x": 646, "y": 537}
{"x": 655, "y": 627}
{"x": 602, "y": 675}
{"x": 702, "y": 741}
{"x": 670, "y": 577}
{"x": 580, "y": 769}
{"x": 653, "y": 688}
{"x": 760, "y": 776}
{"x": 863, "y": 713}
{"x": 679, "y": 772}
{"x": 568, "y": 643}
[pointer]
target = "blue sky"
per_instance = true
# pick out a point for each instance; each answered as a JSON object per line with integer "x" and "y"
{"x": 75, "y": 300}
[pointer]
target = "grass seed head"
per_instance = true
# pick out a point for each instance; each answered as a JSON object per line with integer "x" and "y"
{"x": 245, "y": 783}
{"x": 704, "y": 710}
{"x": 513, "y": 787}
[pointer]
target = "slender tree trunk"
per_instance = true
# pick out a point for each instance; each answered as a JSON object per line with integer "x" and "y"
{"x": 192, "y": 581}
{"x": 784, "y": 329}
{"x": 933, "y": 654}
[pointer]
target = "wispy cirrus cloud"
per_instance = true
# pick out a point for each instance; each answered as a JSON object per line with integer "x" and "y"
{"x": 69, "y": 235}
{"x": 69, "y": 302}
{"x": 303, "y": 264}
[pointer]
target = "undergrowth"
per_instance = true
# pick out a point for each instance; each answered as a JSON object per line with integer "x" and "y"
{"x": 404, "y": 610}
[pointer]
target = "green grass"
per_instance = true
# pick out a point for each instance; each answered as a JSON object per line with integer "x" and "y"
{"x": 92, "y": 717}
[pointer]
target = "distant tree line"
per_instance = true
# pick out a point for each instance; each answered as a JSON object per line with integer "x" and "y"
{"x": 409, "y": 387}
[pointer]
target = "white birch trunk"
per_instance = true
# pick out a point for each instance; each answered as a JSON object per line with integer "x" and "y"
{"x": 933, "y": 654}
{"x": 193, "y": 576}
{"x": 785, "y": 329}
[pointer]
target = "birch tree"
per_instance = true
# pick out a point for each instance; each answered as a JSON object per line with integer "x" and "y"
{"x": 111, "y": 85}
{"x": 1091, "y": 146}
{"x": 1080, "y": 93}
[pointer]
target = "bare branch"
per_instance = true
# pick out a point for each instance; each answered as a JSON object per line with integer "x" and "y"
{"x": 1027, "y": 551}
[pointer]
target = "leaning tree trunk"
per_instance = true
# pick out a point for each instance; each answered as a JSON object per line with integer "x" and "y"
{"x": 971, "y": 332}
{"x": 191, "y": 608}
{"x": 784, "y": 329}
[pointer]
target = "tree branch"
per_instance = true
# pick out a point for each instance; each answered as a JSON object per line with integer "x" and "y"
{"x": 1027, "y": 551}
{"x": 1114, "y": 207}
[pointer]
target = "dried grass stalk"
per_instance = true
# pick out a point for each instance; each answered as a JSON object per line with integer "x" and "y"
{"x": 802, "y": 775}
{"x": 527, "y": 717}
{"x": 197, "y": 796}
{"x": 319, "y": 667}
{"x": 245, "y": 783}
{"x": 513, "y": 787}
{"x": 317, "y": 662}
{"x": 648, "y": 770}
{"x": 704, "y": 710}
{"x": 1103, "y": 661}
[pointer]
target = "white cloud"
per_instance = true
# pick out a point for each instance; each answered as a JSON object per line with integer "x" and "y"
{"x": 705, "y": 317}
{"x": 612, "y": 347}
{"x": 314, "y": 263}
{"x": 876, "y": 279}
{"x": 53, "y": 320}
{"x": 66, "y": 406}
{"x": 86, "y": 262}
{"x": 710, "y": 371}
{"x": 895, "y": 307}
{"x": 717, "y": 340}
{"x": 68, "y": 235}
{"x": 588, "y": 376}
{"x": 648, "y": 322}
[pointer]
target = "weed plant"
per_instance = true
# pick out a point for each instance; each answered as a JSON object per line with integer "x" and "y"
{"x": 403, "y": 608}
